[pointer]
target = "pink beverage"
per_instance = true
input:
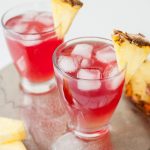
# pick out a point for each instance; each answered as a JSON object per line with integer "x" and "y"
{"x": 33, "y": 58}
{"x": 90, "y": 84}
{"x": 31, "y": 39}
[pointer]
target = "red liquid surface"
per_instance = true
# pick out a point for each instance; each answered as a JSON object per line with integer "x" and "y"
{"x": 33, "y": 47}
{"x": 90, "y": 102}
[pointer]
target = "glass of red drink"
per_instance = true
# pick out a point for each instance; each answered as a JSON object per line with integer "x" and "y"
{"x": 31, "y": 38}
{"x": 90, "y": 84}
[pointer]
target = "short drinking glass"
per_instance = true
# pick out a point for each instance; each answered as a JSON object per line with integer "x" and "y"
{"x": 31, "y": 38}
{"x": 90, "y": 84}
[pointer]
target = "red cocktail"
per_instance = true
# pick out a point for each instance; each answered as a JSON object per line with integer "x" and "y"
{"x": 31, "y": 38}
{"x": 90, "y": 83}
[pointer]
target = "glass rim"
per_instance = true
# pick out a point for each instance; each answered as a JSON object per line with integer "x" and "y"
{"x": 54, "y": 59}
{"x": 18, "y": 33}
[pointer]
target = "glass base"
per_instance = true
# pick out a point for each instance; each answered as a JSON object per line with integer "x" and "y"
{"x": 92, "y": 135}
{"x": 37, "y": 88}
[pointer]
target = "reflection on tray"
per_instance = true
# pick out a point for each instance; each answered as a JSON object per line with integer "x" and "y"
{"x": 46, "y": 123}
{"x": 69, "y": 142}
{"x": 45, "y": 118}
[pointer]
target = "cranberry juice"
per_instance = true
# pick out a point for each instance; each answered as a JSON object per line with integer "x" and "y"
{"x": 31, "y": 41}
{"x": 90, "y": 85}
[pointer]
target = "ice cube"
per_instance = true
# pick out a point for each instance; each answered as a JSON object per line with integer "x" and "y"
{"x": 93, "y": 102}
{"x": 106, "y": 55}
{"x": 85, "y": 63}
{"x": 105, "y": 100}
{"x": 115, "y": 80}
{"x": 31, "y": 43}
{"x": 67, "y": 63}
{"x": 84, "y": 50}
{"x": 91, "y": 83}
{"x": 89, "y": 74}
{"x": 78, "y": 59}
{"x": 32, "y": 33}
{"x": 88, "y": 85}
{"x": 111, "y": 70}
{"x": 21, "y": 63}
{"x": 19, "y": 27}
{"x": 114, "y": 71}
{"x": 44, "y": 18}
{"x": 31, "y": 38}
{"x": 29, "y": 16}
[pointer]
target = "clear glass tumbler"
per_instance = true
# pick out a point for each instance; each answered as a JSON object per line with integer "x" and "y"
{"x": 90, "y": 84}
{"x": 31, "y": 38}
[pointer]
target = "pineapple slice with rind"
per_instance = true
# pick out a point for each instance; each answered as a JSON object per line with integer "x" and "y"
{"x": 11, "y": 130}
{"x": 64, "y": 12}
{"x": 138, "y": 88}
{"x": 131, "y": 51}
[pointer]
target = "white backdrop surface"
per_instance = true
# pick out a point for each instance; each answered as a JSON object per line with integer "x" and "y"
{"x": 96, "y": 18}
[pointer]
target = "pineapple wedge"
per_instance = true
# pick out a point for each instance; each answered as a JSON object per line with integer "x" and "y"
{"x": 11, "y": 130}
{"x": 64, "y": 11}
{"x": 134, "y": 50}
{"x": 131, "y": 51}
{"x": 138, "y": 88}
{"x": 13, "y": 146}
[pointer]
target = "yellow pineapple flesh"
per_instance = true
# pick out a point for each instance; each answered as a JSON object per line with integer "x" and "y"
{"x": 11, "y": 130}
{"x": 13, "y": 146}
{"x": 133, "y": 50}
{"x": 64, "y": 12}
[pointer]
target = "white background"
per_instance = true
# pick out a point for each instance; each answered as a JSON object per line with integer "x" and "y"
{"x": 96, "y": 18}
